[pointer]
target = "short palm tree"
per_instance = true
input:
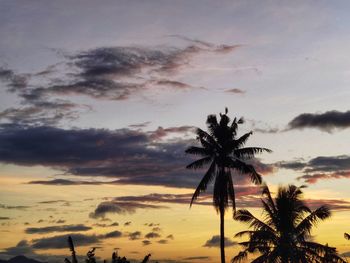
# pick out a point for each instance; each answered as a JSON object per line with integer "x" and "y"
{"x": 283, "y": 236}
{"x": 223, "y": 152}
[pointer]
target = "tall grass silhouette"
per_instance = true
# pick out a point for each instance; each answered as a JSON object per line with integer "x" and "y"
{"x": 91, "y": 256}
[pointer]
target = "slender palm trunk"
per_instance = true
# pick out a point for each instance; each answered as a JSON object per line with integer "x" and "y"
{"x": 222, "y": 234}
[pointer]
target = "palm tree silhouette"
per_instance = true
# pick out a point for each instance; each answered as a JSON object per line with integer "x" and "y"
{"x": 223, "y": 152}
{"x": 284, "y": 234}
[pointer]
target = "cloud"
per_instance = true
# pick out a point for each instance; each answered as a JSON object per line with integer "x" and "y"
{"x": 235, "y": 91}
{"x": 22, "y": 248}
{"x": 146, "y": 242}
{"x": 17, "y": 207}
{"x": 161, "y": 132}
{"x": 61, "y": 228}
{"x": 61, "y": 241}
{"x": 130, "y": 156}
{"x": 215, "y": 242}
{"x": 66, "y": 182}
{"x": 246, "y": 196}
{"x": 127, "y": 156}
{"x": 163, "y": 241}
{"x": 103, "y": 73}
{"x": 170, "y": 236}
{"x": 140, "y": 125}
{"x": 320, "y": 168}
{"x": 135, "y": 235}
{"x": 42, "y": 113}
{"x": 327, "y": 121}
{"x": 4, "y": 218}
{"x": 122, "y": 208}
{"x": 333, "y": 204}
{"x": 113, "y": 234}
{"x": 152, "y": 235}
{"x": 13, "y": 80}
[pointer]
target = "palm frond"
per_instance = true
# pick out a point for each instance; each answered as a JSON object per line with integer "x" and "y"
{"x": 248, "y": 169}
{"x": 249, "y": 152}
{"x": 199, "y": 163}
{"x": 207, "y": 178}
{"x": 241, "y": 141}
{"x": 241, "y": 257}
{"x": 198, "y": 151}
{"x": 311, "y": 220}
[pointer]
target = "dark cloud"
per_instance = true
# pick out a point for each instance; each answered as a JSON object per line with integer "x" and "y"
{"x": 13, "y": 80}
{"x": 215, "y": 242}
{"x": 156, "y": 229}
{"x": 130, "y": 156}
{"x": 140, "y": 125}
{"x": 53, "y": 201}
{"x": 4, "y": 218}
{"x": 135, "y": 235}
{"x": 67, "y": 182}
{"x": 152, "y": 235}
{"x": 120, "y": 208}
{"x": 293, "y": 165}
{"x": 246, "y": 196}
{"x": 22, "y": 248}
{"x": 163, "y": 241}
{"x": 235, "y": 91}
{"x": 61, "y": 228}
{"x": 170, "y": 236}
{"x": 327, "y": 121}
{"x": 128, "y": 223}
{"x": 127, "y": 156}
{"x": 320, "y": 168}
{"x": 61, "y": 241}
{"x": 42, "y": 113}
{"x": 113, "y": 234}
{"x": 173, "y": 84}
{"x": 109, "y": 73}
{"x": 146, "y": 242}
{"x": 10, "y": 207}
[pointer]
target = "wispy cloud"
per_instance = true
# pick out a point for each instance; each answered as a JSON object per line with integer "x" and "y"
{"x": 60, "y": 228}
{"x": 320, "y": 168}
{"x": 103, "y": 73}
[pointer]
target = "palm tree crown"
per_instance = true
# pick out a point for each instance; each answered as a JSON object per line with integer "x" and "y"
{"x": 283, "y": 236}
{"x": 223, "y": 152}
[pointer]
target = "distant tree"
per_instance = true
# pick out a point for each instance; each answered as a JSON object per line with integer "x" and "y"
{"x": 91, "y": 256}
{"x": 224, "y": 153}
{"x": 284, "y": 233}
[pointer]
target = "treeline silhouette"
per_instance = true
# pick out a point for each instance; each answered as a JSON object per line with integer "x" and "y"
{"x": 91, "y": 256}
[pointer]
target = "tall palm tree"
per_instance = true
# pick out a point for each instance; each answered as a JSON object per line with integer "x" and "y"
{"x": 283, "y": 236}
{"x": 223, "y": 152}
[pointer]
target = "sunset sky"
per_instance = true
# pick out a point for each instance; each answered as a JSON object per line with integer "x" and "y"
{"x": 99, "y": 100}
